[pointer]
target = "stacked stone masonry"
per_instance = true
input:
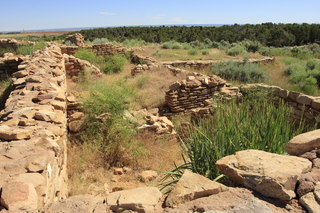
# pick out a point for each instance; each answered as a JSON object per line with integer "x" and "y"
{"x": 202, "y": 64}
{"x": 194, "y": 92}
{"x": 304, "y": 105}
{"x": 33, "y": 134}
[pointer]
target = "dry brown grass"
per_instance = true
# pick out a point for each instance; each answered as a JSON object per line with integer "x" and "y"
{"x": 162, "y": 152}
{"x": 151, "y": 87}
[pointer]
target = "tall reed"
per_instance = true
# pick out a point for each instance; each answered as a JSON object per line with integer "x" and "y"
{"x": 252, "y": 124}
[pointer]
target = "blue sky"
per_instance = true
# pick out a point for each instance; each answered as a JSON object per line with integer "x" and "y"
{"x": 20, "y": 15}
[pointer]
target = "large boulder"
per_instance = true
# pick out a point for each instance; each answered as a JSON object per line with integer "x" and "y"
{"x": 304, "y": 142}
{"x": 142, "y": 200}
{"x": 192, "y": 186}
{"x": 271, "y": 175}
{"x": 19, "y": 196}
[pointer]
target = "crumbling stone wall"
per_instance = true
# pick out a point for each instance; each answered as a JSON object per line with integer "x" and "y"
{"x": 99, "y": 49}
{"x": 33, "y": 134}
{"x": 202, "y": 64}
{"x": 9, "y": 44}
{"x": 304, "y": 105}
{"x": 10, "y": 64}
{"x": 194, "y": 92}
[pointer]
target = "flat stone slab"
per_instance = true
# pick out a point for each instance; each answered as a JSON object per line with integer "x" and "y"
{"x": 271, "y": 175}
{"x": 303, "y": 143}
{"x": 192, "y": 186}
{"x": 142, "y": 200}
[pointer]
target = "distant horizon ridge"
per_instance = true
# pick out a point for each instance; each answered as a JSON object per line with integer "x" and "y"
{"x": 86, "y": 28}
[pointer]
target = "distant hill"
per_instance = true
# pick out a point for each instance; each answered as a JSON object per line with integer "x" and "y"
{"x": 86, "y": 28}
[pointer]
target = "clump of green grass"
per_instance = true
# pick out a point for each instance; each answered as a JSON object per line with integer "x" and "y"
{"x": 105, "y": 125}
{"x": 30, "y": 48}
{"x": 114, "y": 63}
{"x": 157, "y": 53}
{"x": 133, "y": 43}
{"x": 205, "y": 52}
{"x": 89, "y": 55}
{"x": 193, "y": 51}
{"x": 254, "y": 123}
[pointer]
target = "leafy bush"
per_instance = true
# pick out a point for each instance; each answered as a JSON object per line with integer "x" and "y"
{"x": 100, "y": 41}
{"x": 69, "y": 43}
{"x": 246, "y": 72}
{"x": 251, "y": 46}
{"x": 89, "y": 55}
{"x": 176, "y": 45}
{"x": 30, "y": 48}
{"x": 167, "y": 45}
{"x": 105, "y": 126}
{"x": 305, "y": 75}
{"x": 265, "y": 51}
{"x": 236, "y": 50}
{"x": 133, "y": 43}
{"x": 186, "y": 46}
{"x": 114, "y": 63}
{"x": 193, "y": 51}
{"x": 205, "y": 52}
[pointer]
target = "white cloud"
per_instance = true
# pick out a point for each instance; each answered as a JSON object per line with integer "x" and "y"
{"x": 177, "y": 19}
{"x": 110, "y": 14}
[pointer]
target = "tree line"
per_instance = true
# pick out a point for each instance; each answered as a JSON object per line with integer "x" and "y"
{"x": 269, "y": 34}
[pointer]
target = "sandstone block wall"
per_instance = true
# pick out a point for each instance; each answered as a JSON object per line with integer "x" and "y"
{"x": 10, "y": 43}
{"x": 201, "y": 64}
{"x": 33, "y": 134}
{"x": 99, "y": 49}
{"x": 304, "y": 105}
{"x": 194, "y": 92}
{"x": 9, "y": 64}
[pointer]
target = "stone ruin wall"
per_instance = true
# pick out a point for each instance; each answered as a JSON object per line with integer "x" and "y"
{"x": 195, "y": 94}
{"x": 33, "y": 134}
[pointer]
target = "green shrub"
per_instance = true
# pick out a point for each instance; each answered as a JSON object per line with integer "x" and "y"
{"x": 89, "y": 55}
{"x": 186, "y": 46}
{"x": 177, "y": 45}
{"x": 205, "y": 52}
{"x": 236, "y": 50}
{"x": 167, "y": 45}
{"x": 251, "y": 46}
{"x": 30, "y": 48}
{"x": 100, "y": 41}
{"x": 244, "y": 72}
{"x": 105, "y": 125}
{"x": 133, "y": 43}
{"x": 69, "y": 43}
{"x": 193, "y": 51}
{"x": 265, "y": 51}
{"x": 114, "y": 63}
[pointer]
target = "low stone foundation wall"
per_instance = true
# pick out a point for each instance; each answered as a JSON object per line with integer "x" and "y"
{"x": 201, "y": 64}
{"x": 9, "y": 64}
{"x": 304, "y": 105}
{"x": 33, "y": 134}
